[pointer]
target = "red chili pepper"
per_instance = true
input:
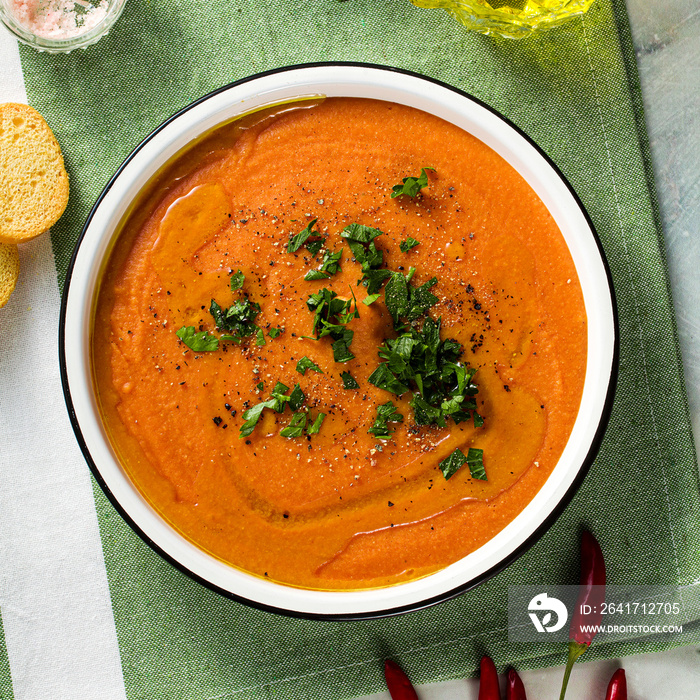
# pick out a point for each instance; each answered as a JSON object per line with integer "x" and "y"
{"x": 397, "y": 682}
{"x": 588, "y": 613}
{"x": 617, "y": 689}
{"x": 516, "y": 689}
{"x": 488, "y": 681}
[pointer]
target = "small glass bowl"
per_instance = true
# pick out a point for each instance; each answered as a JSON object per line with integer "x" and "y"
{"x": 513, "y": 19}
{"x": 81, "y": 29}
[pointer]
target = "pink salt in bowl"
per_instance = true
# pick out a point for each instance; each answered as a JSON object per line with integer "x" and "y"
{"x": 59, "y": 26}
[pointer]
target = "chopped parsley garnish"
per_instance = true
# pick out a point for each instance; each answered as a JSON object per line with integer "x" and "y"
{"x": 370, "y": 299}
{"x": 361, "y": 241}
{"x": 420, "y": 362}
{"x": 341, "y": 351}
{"x": 279, "y": 398}
{"x": 260, "y": 386}
{"x": 331, "y": 314}
{"x": 357, "y": 233}
{"x": 275, "y": 332}
{"x": 312, "y": 239}
{"x": 408, "y": 244}
{"x": 313, "y": 275}
{"x": 374, "y": 279}
{"x": 305, "y": 363}
{"x": 452, "y": 464}
{"x": 296, "y": 426}
{"x": 296, "y": 398}
{"x": 238, "y": 319}
{"x": 316, "y": 425}
{"x": 237, "y": 280}
{"x": 279, "y": 395}
{"x": 199, "y": 342}
{"x": 252, "y": 416}
{"x": 386, "y": 413}
{"x": 411, "y": 186}
{"x": 315, "y": 246}
{"x": 234, "y": 323}
{"x": 396, "y": 296}
{"x": 404, "y": 301}
{"x": 474, "y": 460}
{"x": 349, "y": 382}
{"x": 329, "y": 267}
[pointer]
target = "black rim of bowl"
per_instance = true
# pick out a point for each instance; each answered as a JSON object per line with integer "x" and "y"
{"x": 420, "y": 605}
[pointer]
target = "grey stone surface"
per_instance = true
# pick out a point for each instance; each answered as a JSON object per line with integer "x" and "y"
{"x": 667, "y": 42}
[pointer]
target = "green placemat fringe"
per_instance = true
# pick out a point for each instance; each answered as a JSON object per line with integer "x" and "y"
{"x": 5, "y": 677}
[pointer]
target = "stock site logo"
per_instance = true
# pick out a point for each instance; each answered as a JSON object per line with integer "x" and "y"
{"x": 543, "y": 603}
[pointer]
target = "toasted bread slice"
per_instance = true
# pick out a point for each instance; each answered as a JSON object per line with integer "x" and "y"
{"x": 33, "y": 180}
{"x": 9, "y": 270}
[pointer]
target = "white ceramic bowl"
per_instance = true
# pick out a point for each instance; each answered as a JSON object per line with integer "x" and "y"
{"x": 354, "y": 80}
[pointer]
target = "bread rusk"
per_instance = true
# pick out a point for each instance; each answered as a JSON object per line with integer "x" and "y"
{"x": 33, "y": 179}
{"x": 9, "y": 271}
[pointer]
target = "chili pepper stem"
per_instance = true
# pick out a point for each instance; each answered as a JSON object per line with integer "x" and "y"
{"x": 575, "y": 650}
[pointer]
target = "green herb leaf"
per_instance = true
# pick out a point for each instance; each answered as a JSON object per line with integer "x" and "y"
{"x": 341, "y": 352}
{"x": 313, "y": 275}
{"x": 279, "y": 397}
{"x": 314, "y": 247}
{"x": 305, "y": 363}
{"x": 411, "y": 186}
{"x": 349, "y": 382}
{"x": 361, "y": 241}
{"x": 478, "y": 420}
{"x": 218, "y": 314}
{"x": 384, "y": 378}
{"x": 331, "y": 314}
{"x": 452, "y": 464}
{"x": 252, "y": 416}
{"x": 360, "y": 233}
{"x": 260, "y": 338}
{"x": 298, "y": 240}
{"x": 396, "y": 296}
{"x": 316, "y": 425}
{"x": 296, "y": 398}
{"x": 386, "y": 413}
{"x": 370, "y": 299}
{"x": 199, "y": 342}
{"x": 374, "y": 279}
{"x": 329, "y": 267}
{"x": 421, "y": 300}
{"x": 475, "y": 460}
{"x": 295, "y": 427}
{"x": 230, "y": 338}
{"x": 408, "y": 244}
{"x": 275, "y": 332}
{"x": 237, "y": 280}
{"x": 260, "y": 386}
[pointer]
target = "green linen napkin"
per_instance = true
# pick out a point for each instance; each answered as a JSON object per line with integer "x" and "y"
{"x": 575, "y": 91}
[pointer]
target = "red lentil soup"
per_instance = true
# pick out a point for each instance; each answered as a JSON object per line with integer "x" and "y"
{"x": 341, "y": 508}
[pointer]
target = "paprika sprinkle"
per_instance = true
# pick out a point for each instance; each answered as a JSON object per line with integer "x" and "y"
{"x": 588, "y": 612}
{"x": 400, "y": 688}
{"x": 488, "y": 680}
{"x": 617, "y": 689}
{"x": 516, "y": 689}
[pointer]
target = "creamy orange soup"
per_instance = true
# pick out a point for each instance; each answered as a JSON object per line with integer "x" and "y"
{"x": 339, "y": 509}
